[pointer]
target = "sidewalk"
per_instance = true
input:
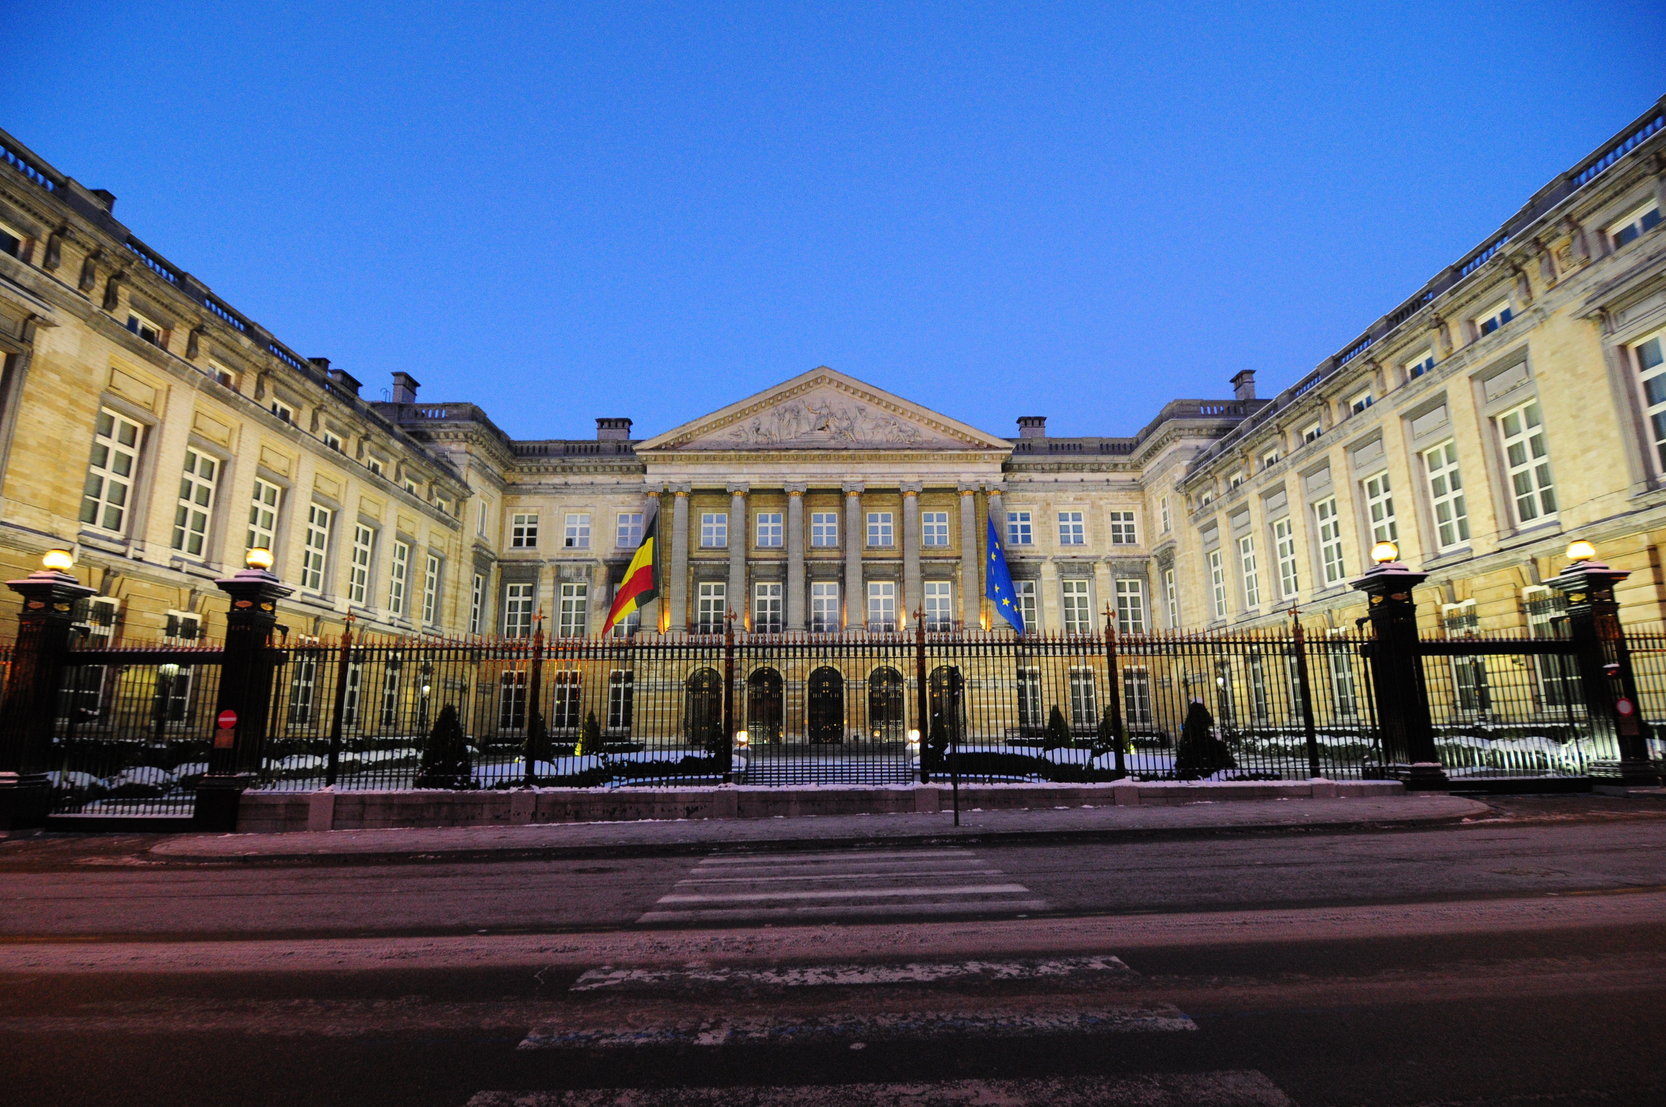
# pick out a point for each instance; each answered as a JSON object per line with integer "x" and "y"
{"x": 1201, "y": 818}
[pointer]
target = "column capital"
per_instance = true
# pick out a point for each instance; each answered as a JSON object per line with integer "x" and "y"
{"x": 913, "y": 488}
{"x": 679, "y": 489}
{"x": 969, "y": 489}
{"x": 795, "y": 489}
{"x": 852, "y": 487}
{"x": 738, "y": 489}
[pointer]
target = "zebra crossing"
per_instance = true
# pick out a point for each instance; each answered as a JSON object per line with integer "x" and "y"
{"x": 843, "y": 884}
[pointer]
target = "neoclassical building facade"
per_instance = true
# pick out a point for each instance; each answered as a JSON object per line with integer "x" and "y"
{"x": 1517, "y": 400}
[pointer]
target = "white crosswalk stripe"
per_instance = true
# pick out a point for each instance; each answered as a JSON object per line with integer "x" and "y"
{"x": 847, "y": 883}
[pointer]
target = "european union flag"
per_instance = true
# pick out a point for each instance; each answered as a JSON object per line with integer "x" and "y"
{"x": 997, "y": 582}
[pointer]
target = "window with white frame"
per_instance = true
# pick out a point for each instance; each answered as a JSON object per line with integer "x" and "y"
{"x": 711, "y": 604}
{"x": 1359, "y": 401}
{"x": 112, "y": 470}
{"x": 1032, "y": 714}
{"x": 523, "y": 530}
{"x": 1492, "y": 318}
{"x": 1446, "y": 495}
{"x": 934, "y": 528}
{"x": 332, "y": 441}
{"x": 1024, "y": 592}
{"x": 1344, "y": 684}
{"x": 358, "y": 567}
{"x": 1136, "y": 697}
{"x": 1072, "y": 529}
{"x": 146, "y": 328}
{"x": 1527, "y": 463}
{"x": 824, "y": 606}
{"x": 621, "y": 698}
{"x": 1420, "y": 364}
{"x": 824, "y": 530}
{"x": 627, "y": 529}
{"x": 1634, "y": 224}
{"x": 511, "y": 711}
{"x": 303, "y": 681}
{"x": 882, "y": 605}
{"x": 1235, "y": 480}
{"x": 1555, "y": 674}
{"x": 1328, "y": 530}
{"x": 1312, "y": 431}
{"x": 477, "y": 604}
{"x": 1469, "y": 671}
{"x": 399, "y": 576}
{"x": 389, "y": 713}
{"x": 1123, "y": 531}
{"x": 881, "y": 534}
{"x": 315, "y": 553}
{"x": 575, "y": 531}
{"x": 1650, "y": 356}
{"x": 766, "y": 607}
{"x": 1379, "y": 507}
{"x": 573, "y": 609}
{"x": 1167, "y": 515}
{"x": 1217, "y": 583}
{"x": 182, "y": 627}
{"x": 1020, "y": 529}
{"x": 769, "y": 530}
{"x": 431, "y": 590}
{"x": 566, "y": 706}
{"x": 263, "y": 515}
{"x": 1130, "y": 606}
{"x": 196, "y": 502}
{"x": 1249, "y": 572}
{"x": 378, "y": 468}
{"x": 1269, "y": 459}
{"x": 480, "y": 515}
{"x": 714, "y": 530}
{"x": 1284, "y": 557}
{"x": 939, "y": 605}
{"x": 1171, "y": 598}
{"x": 1084, "y": 700}
{"x": 282, "y": 410}
{"x": 1076, "y": 606}
{"x": 12, "y": 240}
{"x": 517, "y": 610}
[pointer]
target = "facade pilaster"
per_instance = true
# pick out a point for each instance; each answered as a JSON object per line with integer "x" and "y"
{"x": 738, "y": 537}
{"x": 1047, "y": 596}
{"x": 1104, "y": 587}
{"x": 795, "y": 555}
{"x": 911, "y": 597}
{"x": 677, "y": 586}
{"x": 971, "y": 581}
{"x": 856, "y": 600}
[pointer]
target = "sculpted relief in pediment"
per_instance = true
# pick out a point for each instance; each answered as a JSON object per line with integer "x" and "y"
{"x": 823, "y": 420}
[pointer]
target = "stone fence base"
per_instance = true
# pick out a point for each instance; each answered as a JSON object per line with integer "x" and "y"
{"x": 269, "y": 812}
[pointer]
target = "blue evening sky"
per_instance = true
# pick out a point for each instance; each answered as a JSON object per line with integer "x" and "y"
{"x": 561, "y": 211}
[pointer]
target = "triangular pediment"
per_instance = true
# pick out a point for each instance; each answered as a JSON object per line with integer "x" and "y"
{"x": 824, "y": 410}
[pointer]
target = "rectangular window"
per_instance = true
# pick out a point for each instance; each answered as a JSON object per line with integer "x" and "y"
{"x": 481, "y": 509}
{"x": 301, "y": 687}
{"x": 1527, "y": 463}
{"x": 769, "y": 530}
{"x": 147, "y": 329}
{"x": 1122, "y": 529}
{"x": 1284, "y": 554}
{"x": 1171, "y": 598}
{"x": 282, "y": 410}
{"x": 1446, "y": 495}
{"x": 564, "y": 708}
{"x": 934, "y": 528}
{"x": 354, "y": 693}
{"x": 1032, "y": 716}
{"x": 1379, "y": 508}
{"x": 1359, "y": 402}
{"x": 1651, "y": 375}
{"x": 517, "y": 610}
{"x": 1493, "y": 318}
{"x": 389, "y": 716}
{"x": 766, "y": 607}
{"x": 1168, "y": 518}
{"x": 1235, "y": 480}
{"x": 1072, "y": 529}
{"x": 431, "y": 591}
{"x": 714, "y": 530}
{"x": 573, "y": 614}
{"x": 882, "y": 605}
{"x": 111, "y": 472}
{"x": 477, "y": 604}
{"x": 1344, "y": 687}
{"x": 711, "y": 605}
{"x": 1469, "y": 671}
{"x": 880, "y": 532}
{"x": 1217, "y": 583}
{"x": 1084, "y": 701}
{"x": 523, "y": 531}
{"x": 1249, "y": 571}
{"x": 1417, "y": 366}
{"x": 332, "y": 441}
{"x": 824, "y": 606}
{"x": 511, "y": 700}
{"x": 196, "y": 502}
{"x": 1130, "y": 606}
{"x": 1269, "y": 459}
{"x": 1020, "y": 529}
{"x": 1077, "y": 608}
{"x": 1634, "y": 224}
{"x": 1329, "y": 529}
{"x": 939, "y": 605}
{"x": 824, "y": 530}
{"x": 399, "y": 575}
{"x": 1312, "y": 431}
{"x": 1024, "y": 592}
{"x": 317, "y": 549}
{"x": 263, "y": 516}
{"x": 1136, "y": 697}
{"x": 627, "y": 530}
{"x": 358, "y": 570}
{"x": 575, "y": 531}
{"x": 1556, "y": 675}
{"x": 621, "y": 698}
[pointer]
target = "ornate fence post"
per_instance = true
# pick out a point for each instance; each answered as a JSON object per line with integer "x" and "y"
{"x": 31, "y": 702}
{"x": 1305, "y": 685}
{"x": 1113, "y": 696}
{"x": 922, "y": 696}
{"x": 727, "y": 757}
{"x": 338, "y": 705}
{"x": 537, "y": 730}
{"x": 245, "y": 692}
{"x": 1606, "y": 681}
{"x": 1397, "y": 671}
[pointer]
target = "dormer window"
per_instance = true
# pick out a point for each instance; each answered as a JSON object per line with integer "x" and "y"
{"x": 1634, "y": 224}
{"x": 146, "y": 328}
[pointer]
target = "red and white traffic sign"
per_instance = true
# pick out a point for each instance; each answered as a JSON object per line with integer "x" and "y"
{"x": 227, "y": 719}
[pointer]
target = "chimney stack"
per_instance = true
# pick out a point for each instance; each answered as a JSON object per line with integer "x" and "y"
{"x": 404, "y": 388}
{"x": 613, "y": 430}
{"x": 1032, "y": 426}
{"x": 1243, "y": 385}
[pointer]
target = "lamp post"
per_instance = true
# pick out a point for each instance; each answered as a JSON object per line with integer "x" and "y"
{"x": 1397, "y": 670}
{"x": 38, "y": 662}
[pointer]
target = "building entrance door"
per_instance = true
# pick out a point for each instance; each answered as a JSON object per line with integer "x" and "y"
{"x": 825, "y": 706}
{"x": 763, "y": 705}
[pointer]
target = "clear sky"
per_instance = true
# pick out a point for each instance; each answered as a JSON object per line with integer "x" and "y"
{"x": 562, "y": 211}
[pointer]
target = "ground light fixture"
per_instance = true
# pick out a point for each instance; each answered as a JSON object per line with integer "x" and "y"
{"x": 57, "y": 560}
{"x": 1580, "y": 551}
{"x": 742, "y": 739}
{"x": 1384, "y": 552}
{"x": 259, "y": 557}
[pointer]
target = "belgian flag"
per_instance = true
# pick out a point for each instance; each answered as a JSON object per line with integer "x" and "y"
{"x": 642, "y": 577}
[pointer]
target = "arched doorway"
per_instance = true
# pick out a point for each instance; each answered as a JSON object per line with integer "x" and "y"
{"x": 945, "y": 689}
{"x": 703, "y": 710}
{"x": 825, "y": 705}
{"x": 885, "y": 703}
{"x": 763, "y": 705}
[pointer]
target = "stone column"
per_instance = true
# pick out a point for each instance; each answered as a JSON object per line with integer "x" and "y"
{"x": 677, "y": 585}
{"x": 911, "y": 598}
{"x": 738, "y": 538}
{"x": 795, "y": 555}
{"x": 856, "y": 600}
{"x": 971, "y": 581}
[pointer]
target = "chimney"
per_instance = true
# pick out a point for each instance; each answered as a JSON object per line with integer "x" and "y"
{"x": 1032, "y": 426}
{"x": 1243, "y": 385}
{"x": 342, "y": 379}
{"x": 613, "y": 430}
{"x": 404, "y": 388}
